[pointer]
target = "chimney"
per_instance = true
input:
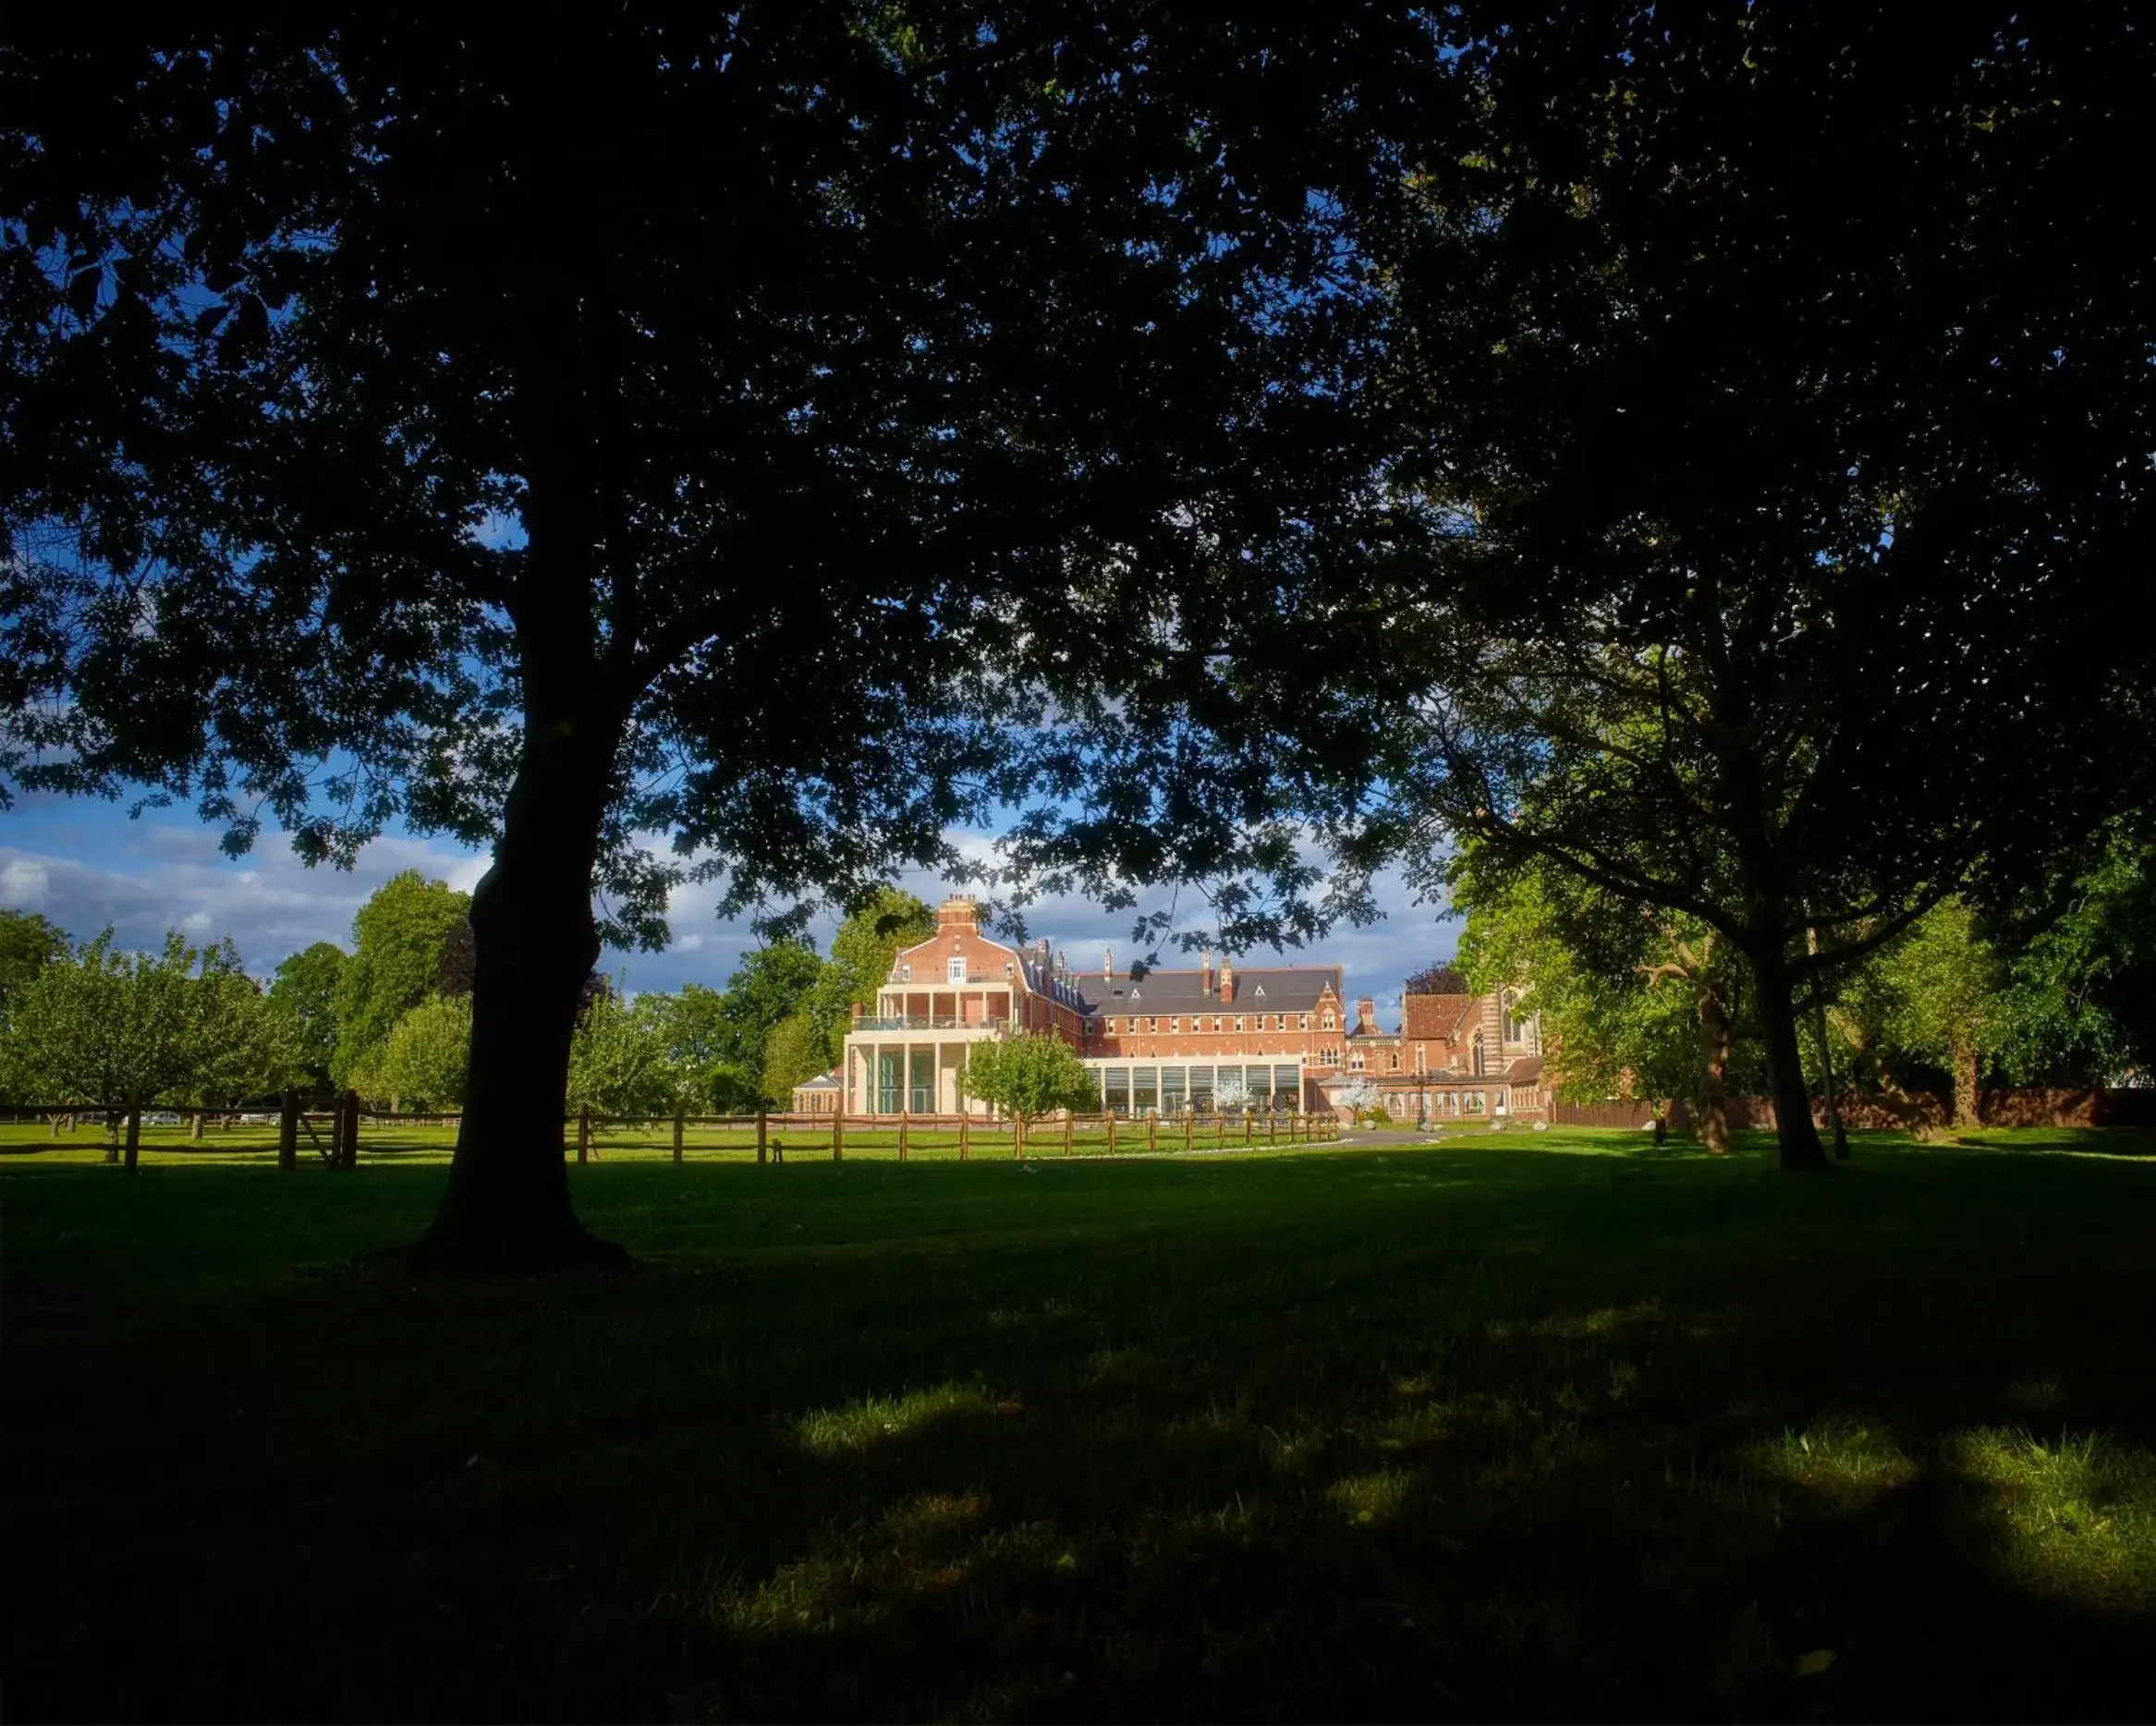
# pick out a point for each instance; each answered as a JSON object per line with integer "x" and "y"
{"x": 857, "y": 1009}
{"x": 1366, "y": 1017}
{"x": 1107, "y": 964}
{"x": 1041, "y": 956}
{"x": 1062, "y": 963}
{"x": 1227, "y": 977}
{"x": 1205, "y": 971}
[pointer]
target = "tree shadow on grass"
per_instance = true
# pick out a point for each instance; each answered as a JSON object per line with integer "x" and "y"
{"x": 1394, "y": 1435}
{"x": 1495, "y": 1565}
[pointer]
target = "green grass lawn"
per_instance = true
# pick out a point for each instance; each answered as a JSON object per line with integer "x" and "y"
{"x": 1514, "y": 1425}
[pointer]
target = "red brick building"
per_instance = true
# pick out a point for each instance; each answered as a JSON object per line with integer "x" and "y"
{"x": 1266, "y": 1038}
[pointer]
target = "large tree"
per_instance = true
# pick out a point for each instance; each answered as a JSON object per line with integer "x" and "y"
{"x": 1785, "y": 407}
{"x": 305, "y": 990}
{"x": 404, "y": 939}
{"x": 786, "y": 429}
{"x": 29, "y": 941}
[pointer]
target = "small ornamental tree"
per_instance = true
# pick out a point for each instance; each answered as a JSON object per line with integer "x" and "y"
{"x": 621, "y": 1062}
{"x": 1945, "y": 1000}
{"x": 1231, "y": 1095}
{"x": 243, "y": 1044}
{"x": 1028, "y": 1077}
{"x": 114, "y": 1030}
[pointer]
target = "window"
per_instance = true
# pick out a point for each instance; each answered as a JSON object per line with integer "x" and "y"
{"x": 1216, "y": 1021}
{"x": 1393, "y": 1061}
{"x": 1355, "y": 1059}
{"x": 1176, "y": 1025}
{"x": 1302, "y": 1021}
{"x": 1420, "y": 1065}
{"x": 1239, "y": 1021}
{"x": 1328, "y": 1021}
{"x": 1515, "y": 1022}
{"x": 1153, "y": 1024}
{"x": 906, "y": 973}
{"x": 956, "y": 969}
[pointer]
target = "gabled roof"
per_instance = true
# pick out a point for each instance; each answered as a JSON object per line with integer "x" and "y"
{"x": 1276, "y": 989}
{"x": 823, "y": 1081}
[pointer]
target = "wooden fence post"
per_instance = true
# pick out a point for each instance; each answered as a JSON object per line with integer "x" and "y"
{"x": 584, "y": 1132}
{"x": 288, "y": 1131}
{"x": 348, "y": 1143}
{"x": 1111, "y": 1133}
{"x": 902, "y": 1125}
{"x": 1249, "y": 1126}
{"x": 1153, "y": 1132}
{"x": 1272, "y": 1127}
{"x": 1070, "y": 1130}
{"x": 1019, "y": 1136}
{"x": 762, "y": 1137}
{"x": 679, "y": 1125}
{"x": 1189, "y": 1130}
{"x": 838, "y": 1138}
{"x": 965, "y": 1129}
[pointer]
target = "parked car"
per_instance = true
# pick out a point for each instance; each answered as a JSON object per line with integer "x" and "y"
{"x": 164, "y": 1117}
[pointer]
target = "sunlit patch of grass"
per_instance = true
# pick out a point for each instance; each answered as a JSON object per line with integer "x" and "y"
{"x": 2074, "y": 1518}
{"x": 932, "y": 1519}
{"x": 1373, "y": 1498}
{"x": 1841, "y": 1466}
{"x": 875, "y": 1420}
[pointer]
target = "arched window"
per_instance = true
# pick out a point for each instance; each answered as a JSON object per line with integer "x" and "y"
{"x": 1515, "y": 1022}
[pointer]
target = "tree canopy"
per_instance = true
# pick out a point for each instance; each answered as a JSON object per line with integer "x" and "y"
{"x": 1028, "y": 1076}
{"x": 760, "y": 459}
{"x": 305, "y": 989}
{"x": 1776, "y": 417}
{"x": 402, "y": 940}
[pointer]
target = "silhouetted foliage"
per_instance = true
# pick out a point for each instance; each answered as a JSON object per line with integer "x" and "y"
{"x": 747, "y": 426}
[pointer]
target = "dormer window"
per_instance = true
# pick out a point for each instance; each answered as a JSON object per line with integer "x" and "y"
{"x": 1260, "y": 992}
{"x": 1302, "y": 1021}
{"x": 1238, "y": 1022}
{"x": 1328, "y": 1021}
{"x": 957, "y": 969}
{"x": 906, "y": 973}
{"x": 1176, "y": 1025}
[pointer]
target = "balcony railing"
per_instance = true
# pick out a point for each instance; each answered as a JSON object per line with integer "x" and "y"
{"x": 923, "y": 1022}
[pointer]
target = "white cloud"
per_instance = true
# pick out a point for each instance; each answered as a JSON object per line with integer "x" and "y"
{"x": 172, "y": 875}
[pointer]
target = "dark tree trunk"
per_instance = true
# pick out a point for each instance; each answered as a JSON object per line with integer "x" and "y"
{"x": 1661, "y": 1122}
{"x": 1713, "y": 1068}
{"x": 134, "y": 1135}
{"x": 112, "y": 1137}
{"x": 1794, "y": 1127}
{"x": 508, "y": 1206}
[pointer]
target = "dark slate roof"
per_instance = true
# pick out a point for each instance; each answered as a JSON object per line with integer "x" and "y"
{"x": 1276, "y": 989}
{"x": 1042, "y": 980}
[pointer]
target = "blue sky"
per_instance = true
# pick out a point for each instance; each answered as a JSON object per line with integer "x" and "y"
{"x": 84, "y": 864}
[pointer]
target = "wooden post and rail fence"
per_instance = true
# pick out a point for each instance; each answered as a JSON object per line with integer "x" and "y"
{"x": 335, "y": 1132}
